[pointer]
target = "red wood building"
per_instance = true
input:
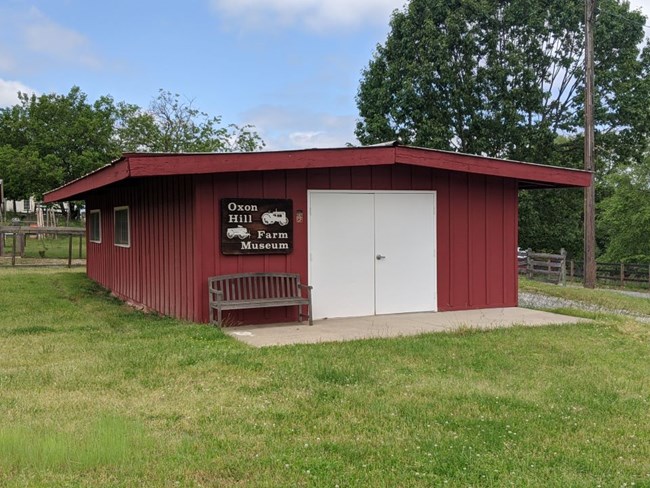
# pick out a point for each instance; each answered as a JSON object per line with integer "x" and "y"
{"x": 375, "y": 229}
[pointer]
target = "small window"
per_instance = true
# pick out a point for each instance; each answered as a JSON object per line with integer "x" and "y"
{"x": 122, "y": 234}
{"x": 95, "y": 226}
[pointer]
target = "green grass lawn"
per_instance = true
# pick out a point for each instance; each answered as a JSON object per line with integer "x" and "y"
{"x": 93, "y": 393}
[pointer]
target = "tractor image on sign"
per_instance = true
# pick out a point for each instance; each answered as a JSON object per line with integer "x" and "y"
{"x": 278, "y": 217}
{"x": 239, "y": 231}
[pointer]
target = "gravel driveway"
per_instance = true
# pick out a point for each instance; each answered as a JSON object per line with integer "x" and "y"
{"x": 534, "y": 300}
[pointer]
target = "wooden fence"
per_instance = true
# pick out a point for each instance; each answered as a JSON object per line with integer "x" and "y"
{"x": 18, "y": 234}
{"x": 557, "y": 268}
{"x": 551, "y": 266}
{"x": 614, "y": 273}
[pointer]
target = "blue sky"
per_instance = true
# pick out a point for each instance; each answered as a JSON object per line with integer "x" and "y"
{"x": 289, "y": 67}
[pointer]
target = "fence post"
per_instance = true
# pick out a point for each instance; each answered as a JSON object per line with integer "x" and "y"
{"x": 572, "y": 270}
{"x": 529, "y": 264}
{"x": 563, "y": 267}
{"x": 21, "y": 244}
{"x": 622, "y": 274}
{"x": 13, "y": 251}
{"x": 70, "y": 251}
{"x": 2, "y": 244}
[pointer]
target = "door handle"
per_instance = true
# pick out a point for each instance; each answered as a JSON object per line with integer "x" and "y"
{"x": 380, "y": 257}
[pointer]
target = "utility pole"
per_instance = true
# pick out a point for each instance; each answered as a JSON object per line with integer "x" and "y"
{"x": 2, "y": 199}
{"x": 590, "y": 192}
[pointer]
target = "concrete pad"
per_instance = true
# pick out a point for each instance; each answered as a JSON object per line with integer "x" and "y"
{"x": 381, "y": 326}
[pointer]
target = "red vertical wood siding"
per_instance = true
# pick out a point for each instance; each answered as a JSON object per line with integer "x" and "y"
{"x": 478, "y": 232}
{"x": 175, "y": 235}
{"x": 459, "y": 279}
{"x": 157, "y": 270}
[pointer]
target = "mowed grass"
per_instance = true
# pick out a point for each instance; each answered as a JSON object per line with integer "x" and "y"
{"x": 93, "y": 393}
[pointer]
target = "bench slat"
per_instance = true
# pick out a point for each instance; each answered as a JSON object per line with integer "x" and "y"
{"x": 241, "y": 304}
{"x": 257, "y": 290}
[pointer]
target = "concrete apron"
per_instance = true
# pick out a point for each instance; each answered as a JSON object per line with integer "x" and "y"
{"x": 382, "y": 326}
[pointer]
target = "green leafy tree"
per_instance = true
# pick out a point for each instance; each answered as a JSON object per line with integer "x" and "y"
{"x": 68, "y": 134}
{"x": 506, "y": 79}
{"x": 25, "y": 173}
{"x": 624, "y": 215}
{"x": 49, "y": 140}
{"x": 172, "y": 124}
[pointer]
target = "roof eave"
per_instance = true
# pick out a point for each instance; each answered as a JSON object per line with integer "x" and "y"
{"x": 116, "y": 171}
{"x": 131, "y": 165}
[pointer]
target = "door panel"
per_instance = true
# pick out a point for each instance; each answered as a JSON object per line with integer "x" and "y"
{"x": 341, "y": 245}
{"x": 405, "y": 274}
{"x": 349, "y": 230}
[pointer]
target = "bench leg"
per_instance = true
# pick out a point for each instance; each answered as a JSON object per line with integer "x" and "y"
{"x": 211, "y": 317}
{"x": 311, "y": 320}
{"x": 301, "y": 315}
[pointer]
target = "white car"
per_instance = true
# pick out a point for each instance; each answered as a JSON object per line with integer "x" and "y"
{"x": 269, "y": 218}
{"x": 239, "y": 231}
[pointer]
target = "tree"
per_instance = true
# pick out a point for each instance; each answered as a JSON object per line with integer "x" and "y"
{"x": 174, "y": 125}
{"x": 52, "y": 139}
{"x": 25, "y": 174}
{"x": 624, "y": 215}
{"x": 67, "y": 134}
{"x": 506, "y": 79}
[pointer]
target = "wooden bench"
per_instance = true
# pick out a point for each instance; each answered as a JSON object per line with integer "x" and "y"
{"x": 257, "y": 290}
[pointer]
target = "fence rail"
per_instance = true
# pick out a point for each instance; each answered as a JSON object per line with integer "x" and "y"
{"x": 550, "y": 265}
{"x": 620, "y": 273}
{"x": 17, "y": 234}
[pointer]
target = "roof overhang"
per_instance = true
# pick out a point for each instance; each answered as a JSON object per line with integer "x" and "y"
{"x": 139, "y": 165}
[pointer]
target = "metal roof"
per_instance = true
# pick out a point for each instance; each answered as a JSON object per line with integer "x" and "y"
{"x": 139, "y": 165}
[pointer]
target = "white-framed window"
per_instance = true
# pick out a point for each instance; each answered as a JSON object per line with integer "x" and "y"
{"x": 122, "y": 227}
{"x": 95, "y": 226}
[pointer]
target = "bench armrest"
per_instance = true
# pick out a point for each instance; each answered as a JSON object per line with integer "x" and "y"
{"x": 218, "y": 293}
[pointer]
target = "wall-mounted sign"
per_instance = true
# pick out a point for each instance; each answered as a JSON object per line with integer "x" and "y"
{"x": 256, "y": 226}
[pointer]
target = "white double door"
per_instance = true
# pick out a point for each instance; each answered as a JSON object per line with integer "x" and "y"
{"x": 372, "y": 252}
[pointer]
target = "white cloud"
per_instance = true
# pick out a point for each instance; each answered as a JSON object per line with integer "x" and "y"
{"x": 314, "y": 14}
{"x": 9, "y": 92}
{"x": 286, "y": 128}
{"x": 31, "y": 42}
{"x": 44, "y": 36}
